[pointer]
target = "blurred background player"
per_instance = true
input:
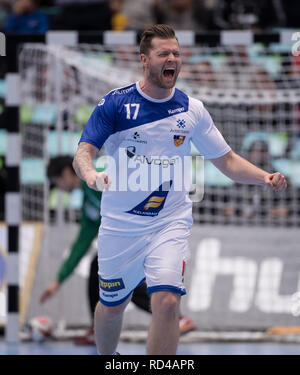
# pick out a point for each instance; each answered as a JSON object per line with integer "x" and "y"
{"x": 26, "y": 18}
{"x": 61, "y": 174}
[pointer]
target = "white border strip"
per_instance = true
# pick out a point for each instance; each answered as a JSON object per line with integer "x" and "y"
{"x": 2, "y": 44}
{"x": 119, "y": 37}
{"x": 12, "y": 328}
{"x": 13, "y": 155}
{"x": 286, "y": 36}
{"x": 62, "y": 38}
{"x": 12, "y": 208}
{"x": 236, "y": 37}
{"x": 12, "y": 270}
{"x": 185, "y": 38}
{"x": 12, "y": 97}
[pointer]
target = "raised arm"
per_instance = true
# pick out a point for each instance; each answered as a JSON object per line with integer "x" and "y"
{"x": 84, "y": 167}
{"x": 242, "y": 171}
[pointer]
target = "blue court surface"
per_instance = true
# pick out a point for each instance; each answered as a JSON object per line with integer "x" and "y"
{"x": 68, "y": 348}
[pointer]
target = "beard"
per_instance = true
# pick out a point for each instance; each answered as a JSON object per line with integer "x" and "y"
{"x": 158, "y": 79}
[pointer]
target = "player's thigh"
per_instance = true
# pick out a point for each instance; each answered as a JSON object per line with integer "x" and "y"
{"x": 166, "y": 260}
{"x": 120, "y": 266}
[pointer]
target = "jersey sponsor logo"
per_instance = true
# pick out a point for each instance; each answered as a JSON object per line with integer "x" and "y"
{"x": 136, "y": 137}
{"x": 178, "y": 140}
{"x": 154, "y": 203}
{"x": 181, "y": 124}
{"x": 123, "y": 91}
{"x": 165, "y": 162}
{"x": 179, "y": 131}
{"x": 102, "y": 101}
{"x": 130, "y": 151}
{"x": 111, "y": 285}
{"x": 176, "y": 110}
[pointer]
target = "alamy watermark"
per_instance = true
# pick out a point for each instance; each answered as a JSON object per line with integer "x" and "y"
{"x": 133, "y": 172}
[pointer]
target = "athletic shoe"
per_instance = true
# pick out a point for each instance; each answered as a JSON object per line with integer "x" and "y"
{"x": 186, "y": 325}
{"x": 87, "y": 339}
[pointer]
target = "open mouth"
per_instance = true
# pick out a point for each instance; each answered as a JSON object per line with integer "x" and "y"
{"x": 169, "y": 73}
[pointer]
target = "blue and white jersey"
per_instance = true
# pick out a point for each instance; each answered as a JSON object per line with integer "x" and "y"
{"x": 147, "y": 142}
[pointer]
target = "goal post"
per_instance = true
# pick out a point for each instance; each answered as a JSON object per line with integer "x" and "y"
{"x": 249, "y": 83}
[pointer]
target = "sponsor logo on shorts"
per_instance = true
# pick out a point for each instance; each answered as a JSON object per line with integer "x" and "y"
{"x": 110, "y": 295}
{"x": 111, "y": 285}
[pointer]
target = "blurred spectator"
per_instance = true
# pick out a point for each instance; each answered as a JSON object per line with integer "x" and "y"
{"x": 83, "y": 15}
{"x": 139, "y": 13}
{"x": 5, "y": 10}
{"x": 239, "y": 72}
{"x": 290, "y": 70}
{"x": 203, "y": 74}
{"x": 259, "y": 202}
{"x": 248, "y": 14}
{"x": 182, "y": 14}
{"x": 119, "y": 21}
{"x": 26, "y": 18}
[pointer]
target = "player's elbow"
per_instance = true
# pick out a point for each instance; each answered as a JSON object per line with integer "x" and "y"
{"x": 74, "y": 163}
{"x": 75, "y": 166}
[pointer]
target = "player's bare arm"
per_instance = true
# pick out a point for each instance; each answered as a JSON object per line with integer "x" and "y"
{"x": 84, "y": 167}
{"x": 242, "y": 171}
{"x": 83, "y": 160}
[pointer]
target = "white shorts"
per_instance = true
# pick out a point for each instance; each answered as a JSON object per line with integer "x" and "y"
{"x": 126, "y": 261}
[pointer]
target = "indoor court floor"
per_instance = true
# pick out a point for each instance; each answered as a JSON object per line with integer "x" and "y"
{"x": 126, "y": 348}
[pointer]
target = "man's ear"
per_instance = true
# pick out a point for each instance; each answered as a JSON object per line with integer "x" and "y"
{"x": 144, "y": 59}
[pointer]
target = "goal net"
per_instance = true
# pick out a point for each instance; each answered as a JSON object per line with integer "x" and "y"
{"x": 253, "y": 95}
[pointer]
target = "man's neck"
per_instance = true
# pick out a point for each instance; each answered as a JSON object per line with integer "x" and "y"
{"x": 154, "y": 91}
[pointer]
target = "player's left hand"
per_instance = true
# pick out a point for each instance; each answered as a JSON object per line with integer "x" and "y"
{"x": 50, "y": 291}
{"x": 276, "y": 181}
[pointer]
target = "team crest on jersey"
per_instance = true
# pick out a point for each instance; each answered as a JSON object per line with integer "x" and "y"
{"x": 154, "y": 203}
{"x": 178, "y": 140}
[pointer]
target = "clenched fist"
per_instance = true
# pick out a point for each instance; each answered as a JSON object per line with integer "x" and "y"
{"x": 276, "y": 181}
{"x": 98, "y": 180}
